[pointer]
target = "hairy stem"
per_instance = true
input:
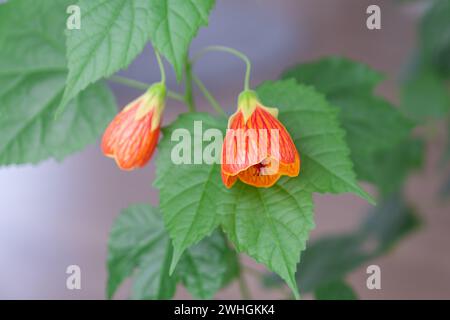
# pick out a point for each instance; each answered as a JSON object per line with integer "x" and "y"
{"x": 189, "y": 94}
{"x": 143, "y": 86}
{"x": 253, "y": 271}
{"x": 161, "y": 66}
{"x": 234, "y": 52}
{"x": 243, "y": 287}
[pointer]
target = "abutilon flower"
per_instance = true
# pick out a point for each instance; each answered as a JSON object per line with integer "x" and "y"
{"x": 257, "y": 148}
{"x": 132, "y": 136}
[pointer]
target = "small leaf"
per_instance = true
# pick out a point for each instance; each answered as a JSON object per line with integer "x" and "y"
{"x": 189, "y": 193}
{"x": 138, "y": 240}
{"x": 152, "y": 280}
{"x": 139, "y": 245}
{"x": 271, "y": 225}
{"x": 331, "y": 258}
{"x": 425, "y": 95}
{"x": 112, "y": 34}
{"x": 173, "y": 25}
{"x": 207, "y": 266}
{"x": 434, "y": 33}
{"x": 335, "y": 75}
{"x": 313, "y": 124}
{"x": 337, "y": 290}
{"x": 373, "y": 125}
{"x": 390, "y": 223}
{"x": 32, "y": 72}
{"x": 388, "y": 169}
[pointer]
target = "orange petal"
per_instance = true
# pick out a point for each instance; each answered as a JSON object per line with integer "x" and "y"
{"x": 253, "y": 145}
{"x": 228, "y": 180}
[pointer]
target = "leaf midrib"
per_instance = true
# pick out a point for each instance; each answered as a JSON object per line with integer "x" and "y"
{"x": 32, "y": 119}
{"x": 351, "y": 185}
{"x": 275, "y": 233}
{"x": 103, "y": 36}
{"x": 208, "y": 181}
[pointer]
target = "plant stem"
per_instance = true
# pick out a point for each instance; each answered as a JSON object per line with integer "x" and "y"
{"x": 161, "y": 66}
{"x": 234, "y": 52}
{"x": 253, "y": 271}
{"x": 175, "y": 96}
{"x": 212, "y": 101}
{"x": 189, "y": 94}
{"x": 143, "y": 86}
{"x": 130, "y": 82}
{"x": 245, "y": 293}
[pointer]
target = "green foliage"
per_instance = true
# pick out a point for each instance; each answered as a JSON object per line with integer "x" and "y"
{"x": 271, "y": 225}
{"x": 373, "y": 126}
{"x": 32, "y": 72}
{"x": 112, "y": 34}
{"x": 389, "y": 223}
{"x": 389, "y": 169}
{"x": 331, "y": 258}
{"x": 173, "y": 25}
{"x": 335, "y": 76}
{"x": 342, "y": 131}
{"x": 138, "y": 240}
{"x": 314, "y": 127}
{"x": 434, "y": 35}
{"x": 139, "y": 244}
{"x": 208, "y": 266}
{"x": 337, "y": 290}
{"x": 425, "y": 95}
{"x": 189, "y": 193}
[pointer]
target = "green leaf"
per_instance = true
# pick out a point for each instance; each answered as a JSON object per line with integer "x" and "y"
{"x": 331, "y": 258}
{"x": 32, "y": 72}
{"x": 389, "y": 169}
{"x": 271, "y": 225}
{"x": 138, "y": 240}
{"x": 337, "y": 290}
{"x": 372, "y": 124}
{"x": 208, "y": 266}
{"x": 191, "y": 211}
{"x": 189, "y": 193}
{"x": 335, "y": 75}
{"x": 434, "y": 35}
{"x": 313, "y": 125}
{"x": 112, "y": 34}
{"x": 425, "y": 95}
{"x": 139, "y": 245}
{"x": 390, "y": 223}
{"x": 173, "y": 25}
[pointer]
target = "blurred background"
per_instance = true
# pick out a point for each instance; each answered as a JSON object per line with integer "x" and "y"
{"x": 53, "y": 215}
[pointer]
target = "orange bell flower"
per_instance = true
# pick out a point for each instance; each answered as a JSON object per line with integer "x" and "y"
{"x": 132, "y": 136}
{"x": 257, "y": 148}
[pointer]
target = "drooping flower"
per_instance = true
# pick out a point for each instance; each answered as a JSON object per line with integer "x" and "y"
{"x": 132, "y": 136}
{"x": 257, "y": 148}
